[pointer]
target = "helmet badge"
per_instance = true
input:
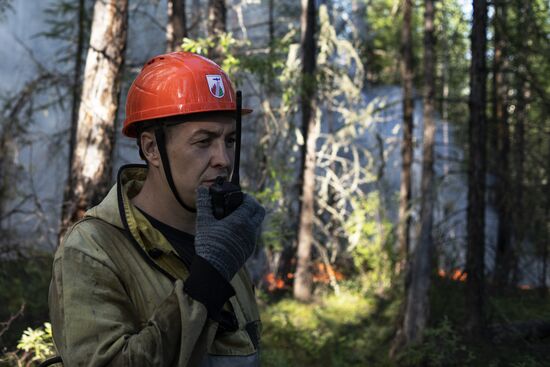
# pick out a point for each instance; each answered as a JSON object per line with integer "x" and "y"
{"x": 215, "y": 85}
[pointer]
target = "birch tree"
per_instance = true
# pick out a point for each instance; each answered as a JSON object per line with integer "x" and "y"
{"x": 91, "y": 166}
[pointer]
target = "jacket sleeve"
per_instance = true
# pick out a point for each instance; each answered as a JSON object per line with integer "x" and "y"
{"x": 94, "y": 322}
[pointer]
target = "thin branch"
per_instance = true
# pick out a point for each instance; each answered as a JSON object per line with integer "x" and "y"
{"x": 4, "y": 326}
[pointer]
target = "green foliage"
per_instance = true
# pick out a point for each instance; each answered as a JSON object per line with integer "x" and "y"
{"x": 228, "y": 44}
{"x": 345, "y": 330}
{"x": 452, "y": 49}
{"x": 442, "y": 346}
{"x": 34, "y": 347}
{"x": 39, "y": 342}
{"x": 24, "y": 280}
{"x": 381, "y": 49}
{"x": 447, "y": 304}
{"x": 275, "y": 232}
{"x": 369, "y": 233}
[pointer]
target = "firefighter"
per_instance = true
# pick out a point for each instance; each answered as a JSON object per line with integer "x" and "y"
{"x": 150, "y": 277}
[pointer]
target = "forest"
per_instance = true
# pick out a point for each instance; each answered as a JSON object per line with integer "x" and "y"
{"x": 401, "y": 149}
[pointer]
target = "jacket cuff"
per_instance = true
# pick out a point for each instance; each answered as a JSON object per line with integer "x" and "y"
{"x": 206, "y": 285}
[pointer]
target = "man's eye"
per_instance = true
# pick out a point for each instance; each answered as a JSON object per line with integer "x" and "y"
{"x": 203, "y": 142}
{"x": 230, "y": 141}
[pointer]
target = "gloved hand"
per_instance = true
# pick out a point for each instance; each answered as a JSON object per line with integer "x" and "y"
{"x": 228, "y": 242}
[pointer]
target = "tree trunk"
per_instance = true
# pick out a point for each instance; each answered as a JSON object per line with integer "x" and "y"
{"x": 195, "y": 27}
{"x": 418, "y": 306}
{"x": 544, "y": 243}
{"x": 517, "y": 215}
{"x": 403, "y": 233}
{"x": 504, "y": 251}
{"x": 176, "y": 28}
{"x": 475, "y": 257}
{"x": 523, "y": 94}
{"x": 271, "y": 21}
{"x": 74, "y": 115}
{"x": 445, "y": 81}
{"x": 216, "y": 26}
{"x": 91, "y": 168}
{"x": 303, "y": 278}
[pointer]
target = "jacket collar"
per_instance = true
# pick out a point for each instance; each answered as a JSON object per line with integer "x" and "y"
{"x": 118, "y": 210}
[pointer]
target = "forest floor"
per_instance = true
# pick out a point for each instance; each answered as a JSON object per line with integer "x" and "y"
{"x": 356, "y": 329}
{"x": 353, "y": 328}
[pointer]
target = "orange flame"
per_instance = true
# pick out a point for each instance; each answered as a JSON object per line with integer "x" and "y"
{"x": 321, "y": 274}
{"x": 456, "y": 275}
{"x": 273, "y": 282}
{"x": 324, "y": 273}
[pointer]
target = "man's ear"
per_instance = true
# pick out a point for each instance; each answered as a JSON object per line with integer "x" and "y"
{"x": 149, "y": 148}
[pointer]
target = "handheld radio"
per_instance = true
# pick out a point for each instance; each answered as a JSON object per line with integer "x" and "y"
{"x": 227, "y": 195}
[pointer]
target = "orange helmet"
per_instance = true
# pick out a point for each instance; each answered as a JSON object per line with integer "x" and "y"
{"x": 178, "y": 83}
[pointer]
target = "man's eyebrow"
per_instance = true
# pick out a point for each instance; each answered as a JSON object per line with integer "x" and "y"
{"x": 211, "y": 133}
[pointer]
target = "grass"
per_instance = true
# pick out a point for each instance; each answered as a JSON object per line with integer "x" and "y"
{"x": 346, "y": 330}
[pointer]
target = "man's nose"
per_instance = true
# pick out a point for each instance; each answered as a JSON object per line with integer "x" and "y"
{"x": 220, "y": 155}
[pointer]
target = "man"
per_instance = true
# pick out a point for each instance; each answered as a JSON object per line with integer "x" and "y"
{"x": 150, "y": 277}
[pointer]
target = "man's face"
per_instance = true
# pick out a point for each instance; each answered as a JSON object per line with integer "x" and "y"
{"x": 199, "y": 151}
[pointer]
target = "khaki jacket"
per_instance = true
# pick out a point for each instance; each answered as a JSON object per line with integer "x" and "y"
{"x": 116, "y": 297}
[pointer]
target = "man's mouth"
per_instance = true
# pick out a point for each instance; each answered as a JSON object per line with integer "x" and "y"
{"x": 211, "y": 181}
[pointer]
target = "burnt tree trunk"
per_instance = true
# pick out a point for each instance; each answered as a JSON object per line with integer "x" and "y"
{"x": 303, "y": 278}
{"x": 217, "y": 14}
{"x": 504, "y": 250}
{"x": 417, "y": 304}
{"x": 403, "y": 232}
{"x": 176, "y": 27}
{"x": 91, "y": 166}
{"x": 475, "y": 257}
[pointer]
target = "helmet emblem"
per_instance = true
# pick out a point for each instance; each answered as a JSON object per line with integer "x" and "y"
{"x": 215, "y": 85}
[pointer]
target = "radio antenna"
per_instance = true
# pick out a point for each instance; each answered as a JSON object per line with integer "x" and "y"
{"x": 235, "y": 177}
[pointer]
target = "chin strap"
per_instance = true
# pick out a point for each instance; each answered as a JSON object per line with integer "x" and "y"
{"x": 160, "y": 135}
